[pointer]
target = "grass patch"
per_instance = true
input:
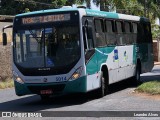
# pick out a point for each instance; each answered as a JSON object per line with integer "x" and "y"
{"x": 8, "y": 83}
{"x": 152, "y": 87}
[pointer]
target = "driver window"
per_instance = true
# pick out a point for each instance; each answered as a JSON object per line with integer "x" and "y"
{"x": 88, "y": 33}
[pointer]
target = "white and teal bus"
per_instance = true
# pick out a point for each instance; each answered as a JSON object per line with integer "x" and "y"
{"x": 62, "y": 51}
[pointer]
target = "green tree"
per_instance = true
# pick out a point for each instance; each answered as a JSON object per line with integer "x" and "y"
{"x": 13, "y": 7}
{"x": 122, "y": 6}
{"x": 151, "y": 8}
{"x": 7, "y": 7}
{"x": 135, "y": 7}
{"x": 155, "y": 31}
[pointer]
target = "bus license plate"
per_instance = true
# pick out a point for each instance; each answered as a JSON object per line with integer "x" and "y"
{"x": 44, "y": 92}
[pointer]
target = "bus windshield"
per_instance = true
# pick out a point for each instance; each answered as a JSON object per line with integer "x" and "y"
{"x": 49, "y": 46}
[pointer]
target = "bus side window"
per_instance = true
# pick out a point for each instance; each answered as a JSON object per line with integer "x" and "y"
{"x": 110, "y": 32}
{"x": 140, "y": 34}
{"x": 84, "y": 38}
{"x": 88, "y": 33}
{"x": 128, "y": 34}
{"x": 90, "y": 37}
{"x": 119, "y": 26}
{"x": 120, "y": 30}
{"x": 100, "y": 36}
{"x": 147, "y": 31}
{"x": 134, "y": 26}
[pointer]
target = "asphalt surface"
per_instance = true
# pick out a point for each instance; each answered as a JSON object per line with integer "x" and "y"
{"x": 121, "y": 98}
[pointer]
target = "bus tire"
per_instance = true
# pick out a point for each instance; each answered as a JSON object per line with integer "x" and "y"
{"x": 136, "y": 78}
{"x": 103, "y": 90}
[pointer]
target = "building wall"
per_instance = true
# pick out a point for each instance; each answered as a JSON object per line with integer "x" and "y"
{"x": 156, "y": 50}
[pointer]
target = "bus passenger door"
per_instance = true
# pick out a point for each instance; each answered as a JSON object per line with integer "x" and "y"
{"x": 145, "y": 50}
{"x": 150, "y": 59}
{"x": 90, "y": 54}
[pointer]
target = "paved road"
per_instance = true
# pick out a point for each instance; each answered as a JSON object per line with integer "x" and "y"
{"x": 120, "y": 98}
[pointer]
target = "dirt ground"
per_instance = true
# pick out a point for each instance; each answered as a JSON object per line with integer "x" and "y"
{"x": 146, "y": 95}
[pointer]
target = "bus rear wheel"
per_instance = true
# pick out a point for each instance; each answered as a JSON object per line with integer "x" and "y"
{"x": 136, "y": 78}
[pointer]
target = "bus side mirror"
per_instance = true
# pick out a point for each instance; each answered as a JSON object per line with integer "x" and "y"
{"x": 4, "y": 36}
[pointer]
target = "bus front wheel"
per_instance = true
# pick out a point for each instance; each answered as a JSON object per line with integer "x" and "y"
{"x": 103, "y": 90}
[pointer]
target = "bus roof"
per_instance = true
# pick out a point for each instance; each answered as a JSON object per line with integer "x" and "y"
{"x": 47, "y": 11}
{"x": 115, "y": 15}
{"x": 90, "y": 12}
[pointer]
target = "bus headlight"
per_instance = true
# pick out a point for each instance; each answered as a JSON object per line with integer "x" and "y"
{"x": 76, "y": 74}
{"x": 17, "y": 78}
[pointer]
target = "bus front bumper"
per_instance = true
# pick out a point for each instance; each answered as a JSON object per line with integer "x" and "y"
{"x": 75, "y": 86}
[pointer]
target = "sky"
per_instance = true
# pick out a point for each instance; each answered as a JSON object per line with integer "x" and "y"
{"x": 93, "y": 6}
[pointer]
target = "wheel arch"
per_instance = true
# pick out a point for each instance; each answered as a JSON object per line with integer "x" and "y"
{"x": 105, "y": 71}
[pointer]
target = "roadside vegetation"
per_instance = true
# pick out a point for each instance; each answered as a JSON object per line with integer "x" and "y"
{"x": 152, "y": 87}
{"x": 8, "y": 83}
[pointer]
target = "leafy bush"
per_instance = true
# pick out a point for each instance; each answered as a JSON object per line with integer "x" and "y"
{"x": 152, "y": 87}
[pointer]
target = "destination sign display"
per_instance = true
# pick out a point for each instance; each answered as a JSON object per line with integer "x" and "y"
{"x": 45, "y": 19}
